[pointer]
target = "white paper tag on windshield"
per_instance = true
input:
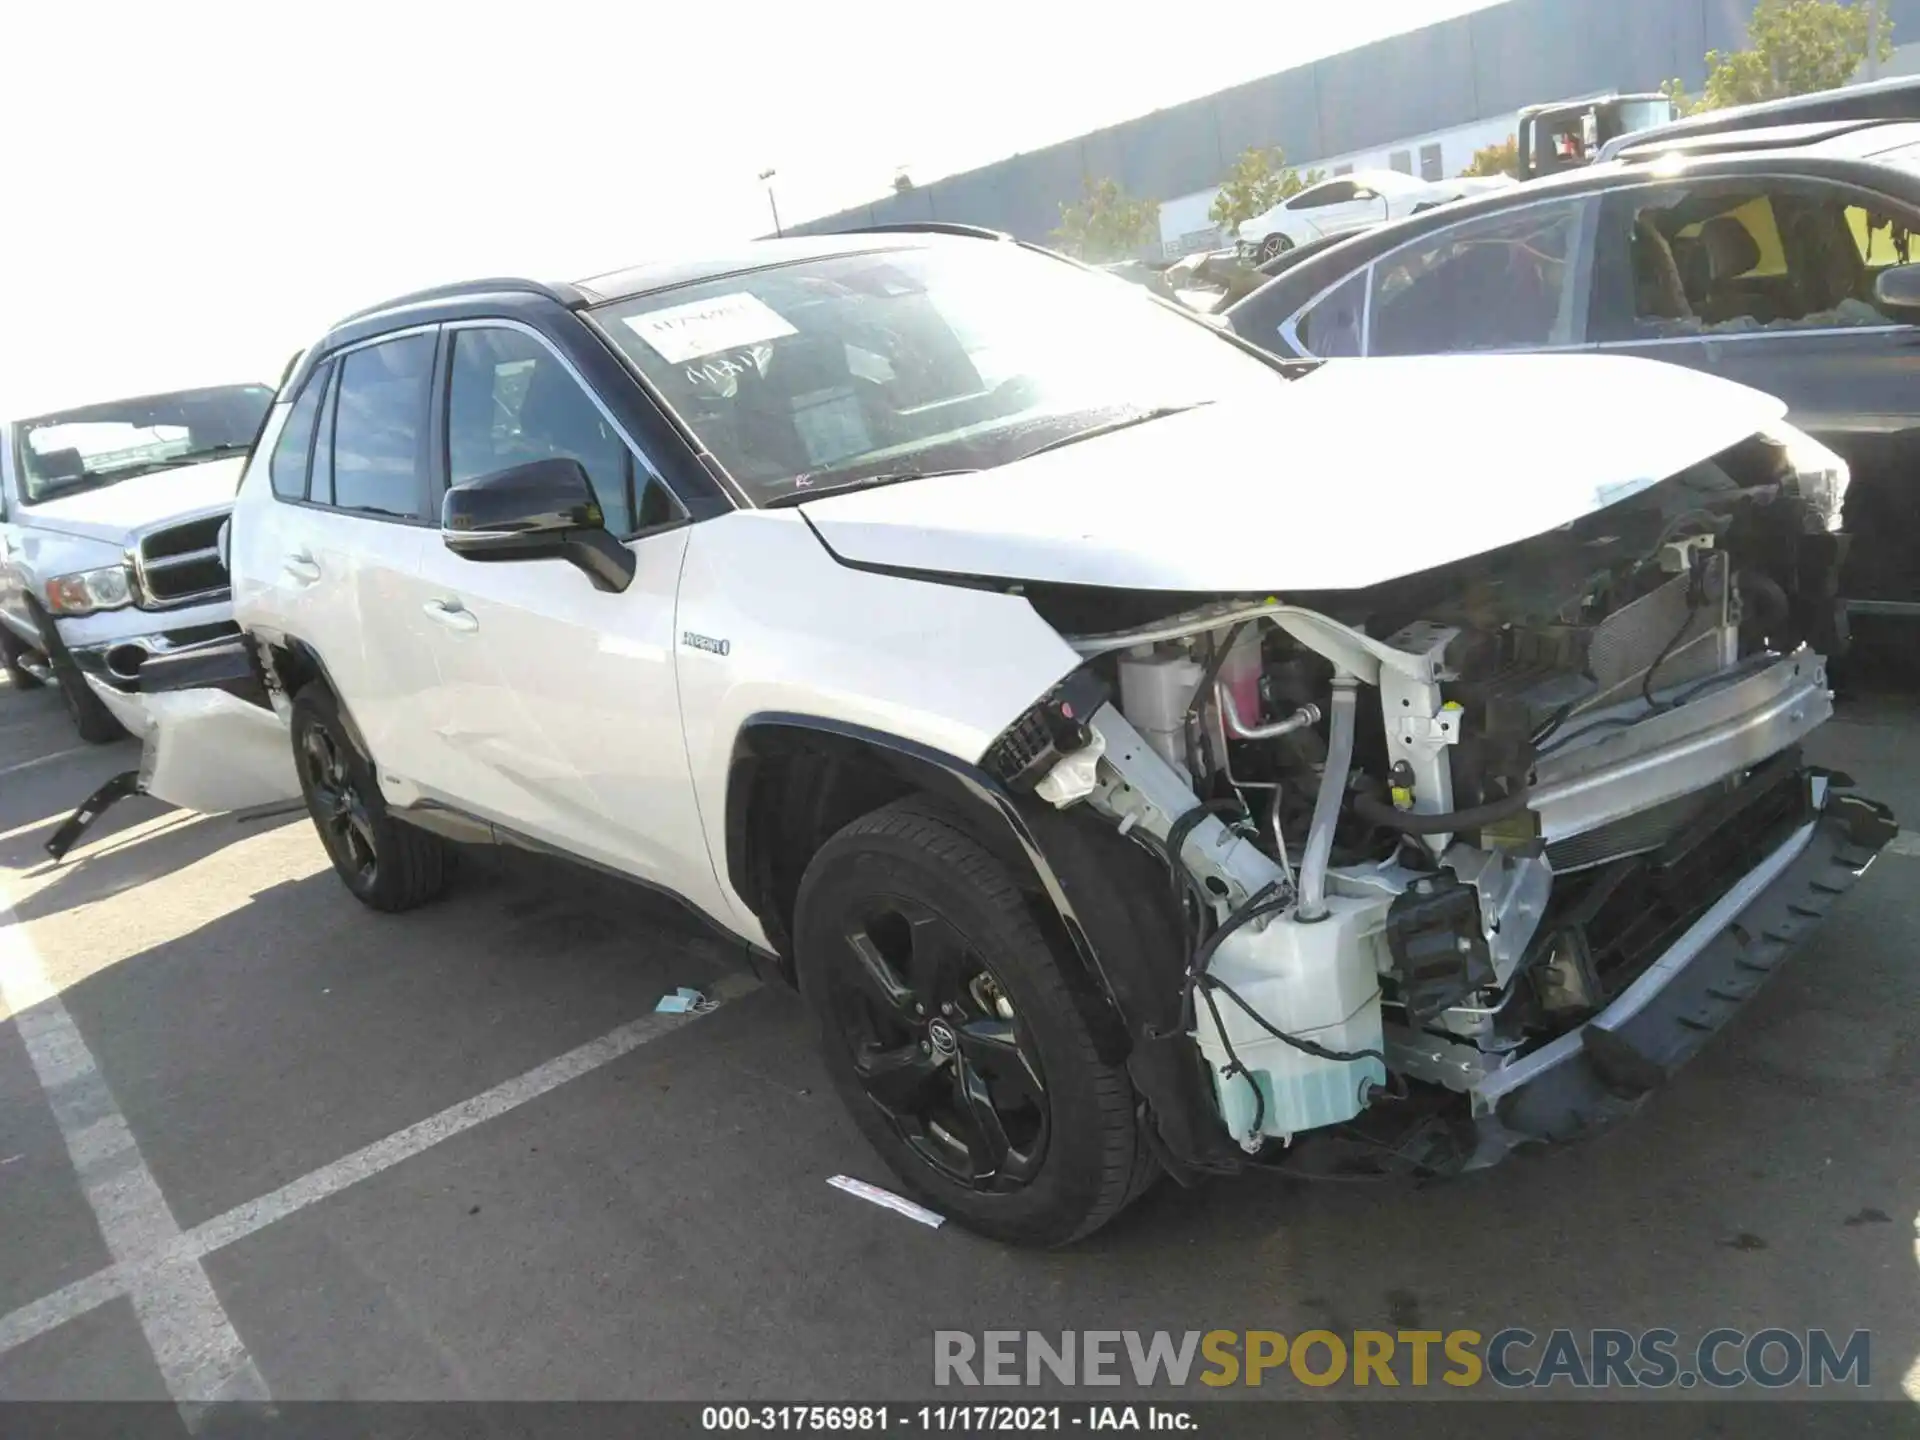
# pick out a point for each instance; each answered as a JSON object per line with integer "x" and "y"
{"x": 705, "y": 327}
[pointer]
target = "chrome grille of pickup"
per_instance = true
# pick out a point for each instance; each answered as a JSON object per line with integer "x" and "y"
{"x": 180, "y": 564}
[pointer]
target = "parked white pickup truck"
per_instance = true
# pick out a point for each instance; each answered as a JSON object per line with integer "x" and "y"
{"x": 110, "y": 517}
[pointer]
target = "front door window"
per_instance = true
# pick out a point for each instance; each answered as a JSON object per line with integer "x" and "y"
{"x": 1716, "y": 260}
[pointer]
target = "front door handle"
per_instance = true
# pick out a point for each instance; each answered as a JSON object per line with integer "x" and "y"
{"x": 453, "y": 615}
{"x": 301, "y": 567}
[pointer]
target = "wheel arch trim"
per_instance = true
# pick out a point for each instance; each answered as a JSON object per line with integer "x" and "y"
{"x": 927, "y": 768}
{"x": 309, "y": 655}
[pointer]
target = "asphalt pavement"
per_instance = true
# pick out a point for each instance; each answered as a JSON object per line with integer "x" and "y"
{"x": 255, "y": 1140}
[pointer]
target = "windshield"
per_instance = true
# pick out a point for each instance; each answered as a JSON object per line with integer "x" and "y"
{"x": 894, "y": 364}
{"x": 100, "y": 444}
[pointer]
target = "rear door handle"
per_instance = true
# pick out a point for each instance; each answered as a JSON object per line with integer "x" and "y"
{"x": 301, "y": 567}
{"x": 452, "y": 614}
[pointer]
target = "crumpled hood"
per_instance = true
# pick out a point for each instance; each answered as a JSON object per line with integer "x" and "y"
{"x": 1363, "y": 471}
{"x": 114, "y": 512}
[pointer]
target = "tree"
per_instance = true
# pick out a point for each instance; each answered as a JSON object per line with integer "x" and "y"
{"x": 1794, "y": 47}
{"x": 1500, "y": 159}
{"x": 1106, "y": 223}
{"x": 1260, "y": 179}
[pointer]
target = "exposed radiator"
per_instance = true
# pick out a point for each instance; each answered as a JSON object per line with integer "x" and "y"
{"x": 1631, "y": 639}
{"x": 1648, "y": 830}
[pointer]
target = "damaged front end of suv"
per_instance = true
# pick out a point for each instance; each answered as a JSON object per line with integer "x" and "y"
{"x": 1474, "y": 856}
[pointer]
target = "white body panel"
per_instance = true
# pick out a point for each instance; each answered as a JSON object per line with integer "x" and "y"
{"x": 556, "y": 711}
{"x": 944, "y": 667}
{"x": 206, "y": 750}
{"x": 115, "y": 511}
{"x": 348, "y": 587}
{"x": 1127, "y": 509}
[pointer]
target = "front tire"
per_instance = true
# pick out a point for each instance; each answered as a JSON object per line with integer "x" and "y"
{"x": 1274, "y": 246}
{"x": 387, "y": 864}
{"x": 12, "y": 647}
{"x": 952, "y": 1037}
{"x": 89, "y": 713}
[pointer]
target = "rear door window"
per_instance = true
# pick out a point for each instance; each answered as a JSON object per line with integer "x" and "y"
{"x": 379, "y": 429}
{"x": 287, "y": 467}
{"x": 1770, "y": 256}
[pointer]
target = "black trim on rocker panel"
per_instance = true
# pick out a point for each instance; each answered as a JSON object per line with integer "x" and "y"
{"x": 1106, "y": 898}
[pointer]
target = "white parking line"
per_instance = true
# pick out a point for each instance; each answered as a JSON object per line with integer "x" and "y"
{"x": 1905, "y": 843}
{"x": 243, "y": 1220}
{"x": 156, "y": 1267}
{"x": 199, "y": 1355}
{"x": 39, "y": 760}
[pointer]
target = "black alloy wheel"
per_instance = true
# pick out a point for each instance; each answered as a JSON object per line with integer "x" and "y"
{"x": 346, "y": 829}
{"x": 1274, "y": 246}
{"x": 954, "y": 1034}
{"x": 386, "y": 863}
{"x": 937, "y": 1047}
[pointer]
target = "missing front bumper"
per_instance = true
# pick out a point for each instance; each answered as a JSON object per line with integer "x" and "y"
{"x": 1604, "y": 1070}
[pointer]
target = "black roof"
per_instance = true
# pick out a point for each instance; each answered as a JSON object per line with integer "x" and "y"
{"x": 743, "y": 256}
{"x": 666, "y": 274}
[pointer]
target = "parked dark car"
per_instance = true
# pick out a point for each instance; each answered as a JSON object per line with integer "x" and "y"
{"x": 1779, "y": 258}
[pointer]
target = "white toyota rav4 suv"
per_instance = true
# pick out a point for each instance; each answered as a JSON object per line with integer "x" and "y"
{"x": 1135, "y": 765}
{"x": 110, "y": 516}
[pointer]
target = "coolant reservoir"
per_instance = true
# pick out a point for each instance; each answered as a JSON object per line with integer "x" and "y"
{"x": 1317, "y": 982}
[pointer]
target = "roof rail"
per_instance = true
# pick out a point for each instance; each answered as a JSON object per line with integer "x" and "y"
{"x": 559, "y": 294}
{"x": 931, "y": 227}
{"x": 1735, "y": 142}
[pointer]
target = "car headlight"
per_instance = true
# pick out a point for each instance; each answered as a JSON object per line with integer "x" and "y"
{"x": 1820, "y": 475}
{"x": 85, "y": 591}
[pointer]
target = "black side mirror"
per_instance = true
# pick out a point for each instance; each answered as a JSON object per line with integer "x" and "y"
{"x": 1897, "y": 290}
{"x": 543, "y": 510}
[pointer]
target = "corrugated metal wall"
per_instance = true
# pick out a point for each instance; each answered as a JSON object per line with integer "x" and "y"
{"x": 1481, "y": 65}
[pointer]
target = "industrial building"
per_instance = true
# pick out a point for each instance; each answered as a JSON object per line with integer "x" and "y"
{"x": 1421, "y": 102}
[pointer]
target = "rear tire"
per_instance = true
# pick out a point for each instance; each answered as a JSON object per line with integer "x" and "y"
{"x": 12, "y": 647}
{"x": 952, "y": 1036}
{"x": 387, "y": 864}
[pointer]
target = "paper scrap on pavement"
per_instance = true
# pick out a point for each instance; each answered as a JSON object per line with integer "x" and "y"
{"x": 887, "y": 1200}
{"x": 683, "y": 1001}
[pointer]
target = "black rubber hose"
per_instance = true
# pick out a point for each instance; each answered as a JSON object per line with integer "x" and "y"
{"x": 1199, "y": 743}
{"x": 1376, "y": 811}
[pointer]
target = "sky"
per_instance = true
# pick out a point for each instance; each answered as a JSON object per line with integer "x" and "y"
{"x": 198, "y": 188}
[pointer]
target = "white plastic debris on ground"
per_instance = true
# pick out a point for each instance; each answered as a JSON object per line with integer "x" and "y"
{"x": 887, "y": 1200}
{"x": 210, "y": 751}
{"x": 683, "y": 1001}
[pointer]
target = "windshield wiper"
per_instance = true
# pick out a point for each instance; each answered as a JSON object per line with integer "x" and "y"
{"x": 1125, "y": 422}
{"x": 213, "y": 452}
{"x": 865, "y": 482}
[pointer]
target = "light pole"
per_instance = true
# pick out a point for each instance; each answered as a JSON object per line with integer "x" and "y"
{"x": 766, "y": 178}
